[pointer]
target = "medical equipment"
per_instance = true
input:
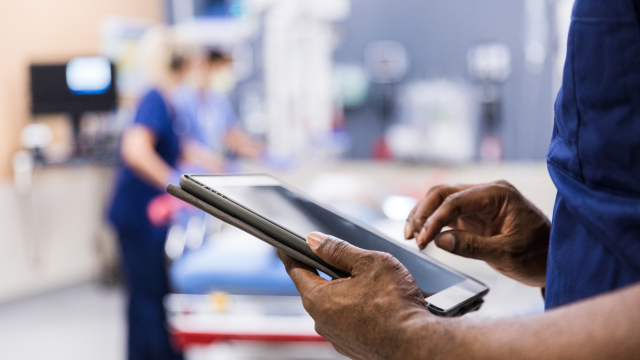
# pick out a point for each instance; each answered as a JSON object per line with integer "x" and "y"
{"x": 83, "y": 84}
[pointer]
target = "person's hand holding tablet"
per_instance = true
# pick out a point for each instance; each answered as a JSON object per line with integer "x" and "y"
{"x": 281, "y": 216}
{"x": 378, "y": 309}
{"x": 365, "y": 315}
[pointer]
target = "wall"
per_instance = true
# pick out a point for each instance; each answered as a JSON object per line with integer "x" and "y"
{"x": 54, "y": 234}
{"x": 50, "y": 236}
{"x": 48, "y": 30}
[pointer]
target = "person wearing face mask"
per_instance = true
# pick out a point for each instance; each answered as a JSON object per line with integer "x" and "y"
{"x": 151, "y": 152}
{"x": 206, "y": 113}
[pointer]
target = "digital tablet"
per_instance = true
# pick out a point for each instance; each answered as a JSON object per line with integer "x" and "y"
{"x": 286, "y": 216}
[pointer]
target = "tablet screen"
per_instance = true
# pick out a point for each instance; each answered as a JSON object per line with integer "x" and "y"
{"x": 302, "y": 216}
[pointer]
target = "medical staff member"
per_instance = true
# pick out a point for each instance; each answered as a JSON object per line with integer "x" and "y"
{"x": 151, "y": 151}
{"x": 587, "y": 260}
{"x": 204, "y": 109}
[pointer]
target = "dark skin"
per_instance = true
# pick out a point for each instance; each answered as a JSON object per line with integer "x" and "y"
{"x": 491, "y": 222}
{"x": 380, "y": 313}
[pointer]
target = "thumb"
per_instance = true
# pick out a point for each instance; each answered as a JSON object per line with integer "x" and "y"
{"x": 335, "y": 252}
{"x": 469, "y": 245}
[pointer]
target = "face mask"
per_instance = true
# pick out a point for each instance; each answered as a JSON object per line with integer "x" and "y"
{"x": 222, "y": 80}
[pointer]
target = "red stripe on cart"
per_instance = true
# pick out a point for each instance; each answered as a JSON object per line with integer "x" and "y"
{"x": 184, "y": 339}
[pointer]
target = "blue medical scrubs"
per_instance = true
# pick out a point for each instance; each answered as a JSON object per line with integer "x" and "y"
{"x": 142, "y": 244}
{"x": 594, "y": 156}
{"x": 205, "y": 117}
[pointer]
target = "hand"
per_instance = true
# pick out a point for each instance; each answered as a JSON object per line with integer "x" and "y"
{"x": 243, "y": 144}
{"x": 368, "y": 315}
{"x": 196, "y": 155}
{"x": 491, "y": 222}
{"x": 165, "y": 208}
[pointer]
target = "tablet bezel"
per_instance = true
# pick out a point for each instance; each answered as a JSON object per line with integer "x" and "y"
{"x": 447, "y": 302}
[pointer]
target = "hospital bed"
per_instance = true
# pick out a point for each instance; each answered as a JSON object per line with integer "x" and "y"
{"x": 233, "y": 293}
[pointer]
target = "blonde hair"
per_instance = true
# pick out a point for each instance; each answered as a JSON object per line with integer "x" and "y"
{"x": 157, "y": 54}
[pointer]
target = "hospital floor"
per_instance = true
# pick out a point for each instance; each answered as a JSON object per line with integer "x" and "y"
{"x": 82, "y": 322}
{"x": 88, "y": 322}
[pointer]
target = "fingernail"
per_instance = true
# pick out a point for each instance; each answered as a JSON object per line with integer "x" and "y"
{"x": 422, "y": 236}
{"x": 446, "y": 242}
{"x": 315, "y": 238}
{"x": 408, "y": 231}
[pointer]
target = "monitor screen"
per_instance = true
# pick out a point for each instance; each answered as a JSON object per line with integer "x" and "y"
{"x": 83, "y": 84}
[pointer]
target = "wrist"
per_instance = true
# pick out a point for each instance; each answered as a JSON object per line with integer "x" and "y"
{"x": 426, "y": 336}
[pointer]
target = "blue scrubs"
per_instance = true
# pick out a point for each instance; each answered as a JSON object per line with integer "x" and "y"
{"x": 142, "y": 244}
{"x": 206, "y": 117}
{"x": 594, "y": 156}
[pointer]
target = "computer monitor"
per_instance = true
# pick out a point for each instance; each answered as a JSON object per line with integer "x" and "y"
{"x": 82, "y": 85}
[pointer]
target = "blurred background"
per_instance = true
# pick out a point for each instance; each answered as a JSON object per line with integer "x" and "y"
{"x": 363, "y": 104}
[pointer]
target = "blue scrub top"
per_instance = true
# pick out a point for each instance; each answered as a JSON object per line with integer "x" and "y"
{"x": 594, "y": 156}
{"x": 132, "y": 194}
{"x": 204, "y": 117}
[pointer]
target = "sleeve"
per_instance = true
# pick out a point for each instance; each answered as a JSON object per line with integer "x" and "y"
{"x": 152, "y": 113}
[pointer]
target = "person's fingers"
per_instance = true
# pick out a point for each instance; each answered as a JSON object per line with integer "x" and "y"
{"x": 470, "y": 245}
{"x": 336, "y": 252}
{"x": 482, "y": 199}
{"x": 426, "y": 206}
{"x": 304, "y": 277}
{"x": 471, "y": 223}
{"x": 423, "y": 209}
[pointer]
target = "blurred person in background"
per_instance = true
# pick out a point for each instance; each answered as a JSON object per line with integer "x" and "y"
{"x": 587, "y": 261}
{"x": 206, "y": 113}
{"x": 151, "y": 151}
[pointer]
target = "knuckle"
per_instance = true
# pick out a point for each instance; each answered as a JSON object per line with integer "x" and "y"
{"x": 383, "y": 265}
{"x": 370, "y": 259}
{"x": 436, "y": 189}
{"x": 336, "y": 248}
{"x": 386, "y": 260}
{"x": 450, "y": 206}
{"x": 504, "y": 184}
{"x": 471, "y": 246}
{"x": 376, "y": 261}
{"x": 453, "y": 199}
{"x": 420, "y": 220}
{"x": 438, "y": 193}
{"x": 504, "y": 193}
